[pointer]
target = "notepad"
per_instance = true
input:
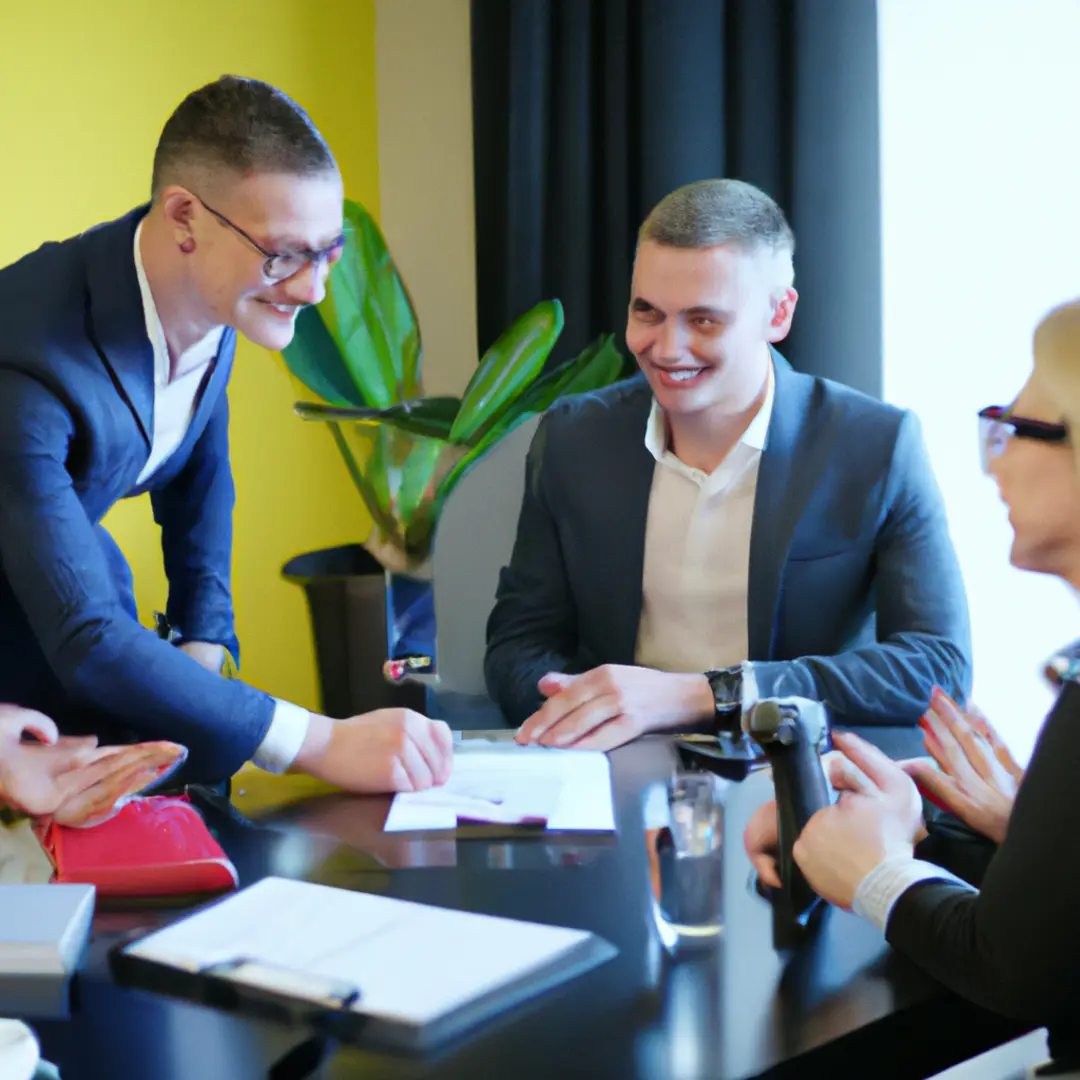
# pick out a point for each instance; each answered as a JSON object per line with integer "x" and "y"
{"x": 408, "y": 974}
{"x": 568, "y": 790}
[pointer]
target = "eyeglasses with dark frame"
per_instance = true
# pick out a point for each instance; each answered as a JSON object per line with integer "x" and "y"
{"x": 282, "y": 265}
{"x": 997, "y": 426}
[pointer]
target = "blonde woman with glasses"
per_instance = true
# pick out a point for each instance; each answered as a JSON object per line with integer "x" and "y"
{"x": 986, "y": 899}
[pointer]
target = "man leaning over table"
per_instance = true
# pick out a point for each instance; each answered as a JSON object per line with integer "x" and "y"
{"x": 722, "y": 528}
{"x": 116, "y": 347}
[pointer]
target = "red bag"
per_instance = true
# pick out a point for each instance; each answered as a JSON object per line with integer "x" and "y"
{"x": 156, "y": 845}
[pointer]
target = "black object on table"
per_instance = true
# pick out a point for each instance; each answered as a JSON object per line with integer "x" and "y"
{"x": 841, "y": 1004}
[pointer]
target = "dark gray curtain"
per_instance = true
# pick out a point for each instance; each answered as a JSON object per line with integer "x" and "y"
{"x": 587, "y": 112}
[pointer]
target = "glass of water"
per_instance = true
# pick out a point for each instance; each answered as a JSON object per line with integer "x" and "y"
{"x": 684, "y": 831}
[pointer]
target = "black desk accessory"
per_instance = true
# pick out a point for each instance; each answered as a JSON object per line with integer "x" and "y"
{"x": 788, "y": 735}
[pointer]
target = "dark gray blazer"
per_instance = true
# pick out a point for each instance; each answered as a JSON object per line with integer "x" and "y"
{"x": 855, "y": 593}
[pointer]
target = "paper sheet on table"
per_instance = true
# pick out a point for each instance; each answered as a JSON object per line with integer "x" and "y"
{"x": 579, "y": 780}
{"x": 410, "y": 963}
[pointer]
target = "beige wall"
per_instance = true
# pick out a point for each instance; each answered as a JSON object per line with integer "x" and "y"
{"x": 426, "y": 174}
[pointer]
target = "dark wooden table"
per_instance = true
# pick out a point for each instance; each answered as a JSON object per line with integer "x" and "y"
{"x": 843, "y": 1004}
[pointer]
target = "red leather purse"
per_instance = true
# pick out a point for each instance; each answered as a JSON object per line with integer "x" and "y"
{"x": 156, "y": 845}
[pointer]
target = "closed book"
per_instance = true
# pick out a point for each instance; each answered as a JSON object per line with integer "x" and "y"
{"x": 44, "y": 931}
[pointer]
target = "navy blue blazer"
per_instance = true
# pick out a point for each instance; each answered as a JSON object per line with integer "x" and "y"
{"x": 76, "y": 421}
{"x": 855, "y": 593}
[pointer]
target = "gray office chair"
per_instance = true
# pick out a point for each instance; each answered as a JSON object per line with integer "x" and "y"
{"x": 473, "y": 541}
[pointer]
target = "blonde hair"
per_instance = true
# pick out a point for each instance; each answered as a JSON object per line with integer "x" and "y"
{"x": 1057, "y": 364}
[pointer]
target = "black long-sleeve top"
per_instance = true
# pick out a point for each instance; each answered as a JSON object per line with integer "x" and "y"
{"x": 1013, "y": 946}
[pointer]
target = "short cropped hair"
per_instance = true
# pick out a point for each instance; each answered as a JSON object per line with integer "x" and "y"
{"x": 708, "y": 213}
{"x": 240, "y": 125}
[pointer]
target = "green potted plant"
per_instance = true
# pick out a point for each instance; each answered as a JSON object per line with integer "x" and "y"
{"x": 358, "y": 357}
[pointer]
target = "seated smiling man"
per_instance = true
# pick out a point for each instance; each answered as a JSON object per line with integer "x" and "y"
{"x": 721, "y": 528}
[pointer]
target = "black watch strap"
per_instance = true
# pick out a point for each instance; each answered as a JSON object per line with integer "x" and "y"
{"x": 726, "y": 685}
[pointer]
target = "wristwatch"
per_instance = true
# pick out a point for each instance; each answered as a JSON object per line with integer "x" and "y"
{"x": 727, "y": 690}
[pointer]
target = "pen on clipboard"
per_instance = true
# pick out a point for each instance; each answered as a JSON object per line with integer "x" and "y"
{"x": 289, "y": 983}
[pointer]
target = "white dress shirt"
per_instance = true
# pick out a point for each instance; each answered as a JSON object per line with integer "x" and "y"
{"x": 697, "y": 552}
{"x": 175, "y": 401}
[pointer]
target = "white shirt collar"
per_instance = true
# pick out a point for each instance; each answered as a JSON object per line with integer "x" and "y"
{"x": 197, "y": 357}
{"x": 656, "y": 435}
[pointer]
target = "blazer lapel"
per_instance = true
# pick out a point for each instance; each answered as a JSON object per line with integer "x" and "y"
{"x": 118, "y": 319}
{"x": 624, "y": 548}
{"x": 778, "y": 503}
{"x": 215, "y": 382}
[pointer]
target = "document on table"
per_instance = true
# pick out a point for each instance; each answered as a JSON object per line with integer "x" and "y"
{"x": 413, "y": 973}
{"x": 564, "y": 790}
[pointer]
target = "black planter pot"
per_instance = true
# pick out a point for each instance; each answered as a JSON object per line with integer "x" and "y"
{"x": 361, "y": 616}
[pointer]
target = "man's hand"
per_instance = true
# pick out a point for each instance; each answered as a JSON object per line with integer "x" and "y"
{"x": 979, "y": 776}
{"x": 379, "y": 752}
{"x": 212, "y": 657}
{"x": 878, "y": 816}
{"x": 611, "y": 705}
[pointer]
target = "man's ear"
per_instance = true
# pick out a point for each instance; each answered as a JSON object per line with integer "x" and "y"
{"x": 178, "y": 208}
{"x": 783, "y": 311}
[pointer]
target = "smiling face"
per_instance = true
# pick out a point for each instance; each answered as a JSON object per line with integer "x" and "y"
{"x": 282, "y": 214}
{"x": 700, "y": 322}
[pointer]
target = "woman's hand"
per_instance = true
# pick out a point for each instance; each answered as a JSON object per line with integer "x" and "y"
{"x": 878, "y": 816}
{"x": 38, "y": 774}
{"x": 72, "y": 780}
{"x": 978, "y": 778}
{"x": 762, "y": 834}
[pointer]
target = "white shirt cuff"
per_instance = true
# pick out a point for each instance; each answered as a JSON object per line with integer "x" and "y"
{"x": 750, "y": 692}
{"x": 283, "y": 738}
{"x": 889, "y": 880}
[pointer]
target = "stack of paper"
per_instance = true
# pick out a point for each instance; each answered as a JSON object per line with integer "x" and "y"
{"x": 408, "y": 973}
{"x": 567, "y": 790}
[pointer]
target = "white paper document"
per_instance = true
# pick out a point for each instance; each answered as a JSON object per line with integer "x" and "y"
{"x": 570, "y": 790}
{"x": 411, "y": 964}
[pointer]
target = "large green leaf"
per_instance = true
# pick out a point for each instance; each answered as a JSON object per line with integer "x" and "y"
{"x": 596, "y": 366}
{"x": 506, "y": 369}
{"x": 432, "y": 416}
{"x": 418, "y": 478}
{"x": 377, "y": 507}
{"x": 314, "y": 358}
{"x": 370, "y": 315}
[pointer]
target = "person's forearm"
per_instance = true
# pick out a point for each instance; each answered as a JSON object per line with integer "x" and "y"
{"x": 886, "y": 683}
{"x": 313, "y": 748}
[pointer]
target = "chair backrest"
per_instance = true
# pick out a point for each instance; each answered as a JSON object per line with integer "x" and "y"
{"x": 473, "y": 541}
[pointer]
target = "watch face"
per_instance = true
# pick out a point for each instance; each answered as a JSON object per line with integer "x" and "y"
{"x": 726, "y": 687}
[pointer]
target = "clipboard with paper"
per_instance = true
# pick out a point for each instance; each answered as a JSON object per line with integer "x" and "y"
{"x": 366, "y": 968}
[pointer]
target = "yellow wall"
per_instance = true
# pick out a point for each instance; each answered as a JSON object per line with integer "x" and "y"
{"x": 85, "y": 89}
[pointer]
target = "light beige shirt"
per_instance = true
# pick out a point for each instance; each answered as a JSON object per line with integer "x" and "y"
{"x": 697, "y": 552}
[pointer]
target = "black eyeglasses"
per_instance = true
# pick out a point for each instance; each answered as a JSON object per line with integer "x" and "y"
{"x": 282, "y": 265}
{"x": 997, "y": 426}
